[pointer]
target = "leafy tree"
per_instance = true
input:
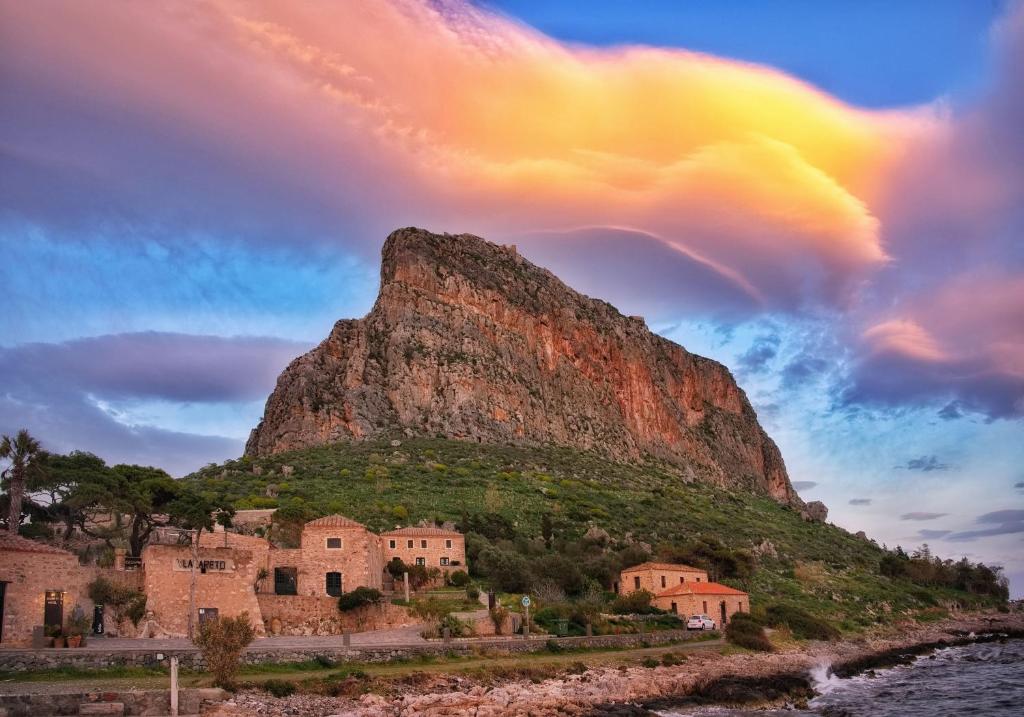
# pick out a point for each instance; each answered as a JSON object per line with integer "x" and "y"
{"x": 24, "y": 453}
{"x": 146, "y": 497}
{"x": 508, "y": 571}
{"x": 638, "y": 602}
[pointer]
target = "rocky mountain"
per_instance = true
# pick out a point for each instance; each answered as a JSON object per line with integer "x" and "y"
{"x": 469, "y": 340}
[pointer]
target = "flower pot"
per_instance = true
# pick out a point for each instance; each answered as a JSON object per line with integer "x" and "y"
{"x": 58, "y": 642}
{"x": 75, "y": 641}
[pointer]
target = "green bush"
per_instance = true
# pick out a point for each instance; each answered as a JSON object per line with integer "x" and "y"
{"x": 637, "y": 602}
{"x": 670, "y": 658}
{"x": 358, "y": 598}
{"x": 279, "y": 688}
{"x": 127, "y": 603}
{"x": 744, "y": 631}
{"x": 649, "y": 662}
{"x": 222, "y": 642}
{"x": 801, "y": 623}
{"x": 473, "y": 593}
{"x": 459, "y": 578}
{"x": 553, "y": 646}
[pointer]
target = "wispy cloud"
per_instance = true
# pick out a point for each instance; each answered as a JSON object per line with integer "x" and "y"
{"x": 1000, "y": 522}
{"x": 925, "y": 464}
{"x": 922, "y": 516}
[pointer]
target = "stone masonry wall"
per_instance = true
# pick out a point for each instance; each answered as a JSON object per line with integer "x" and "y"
{"x": 710, "y": 605}
{"x": 359, "y": 560}
{"x": 655, "y": 580}
{"x": 435, "y": 548}
{"x": 307, "y": 615}
{"x": 230, "y": 592}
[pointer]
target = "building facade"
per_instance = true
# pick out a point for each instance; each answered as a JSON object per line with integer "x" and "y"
{"x": 430, "y": 547}
{"x": 684, "y": 590}
{"x": 234, "y": 573}
{"x": 655, "y": 577}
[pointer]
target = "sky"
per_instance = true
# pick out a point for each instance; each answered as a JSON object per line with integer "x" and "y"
{"x": 826, "y": 197}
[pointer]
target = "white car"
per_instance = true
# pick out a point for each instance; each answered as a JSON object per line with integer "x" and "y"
{"x": 700, "y": 622}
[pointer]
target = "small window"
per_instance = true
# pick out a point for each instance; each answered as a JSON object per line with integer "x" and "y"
{"x": 334, "y": 543}
{"x": 409, "y": 544}
{"x": 421, "y": 561}
{"x": 662, "y": 581}
{"x": 698, "y": 580}
{"x": 334, "y": 584}
{"x": 444, "y": 561}
{"x": 682, "y": 579}
{"x": 423, "y": 544}
{"x": 392, "y": 544}
{"x": 636, "y": 583}
{"x": 448, "y": 544}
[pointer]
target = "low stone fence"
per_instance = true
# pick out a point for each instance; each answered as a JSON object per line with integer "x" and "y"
{"x": 303, "y": 615}
{"x": 22, "y": 660}
{"x": 136, "y": 702}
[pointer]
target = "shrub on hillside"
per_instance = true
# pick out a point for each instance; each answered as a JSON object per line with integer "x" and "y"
{"x": 637, "y": 602}
{"x": 222, "y": 642}
{"x": 801, "y": 623}
{"x": 459, "y": 578}
{"x": 358, "y": 598}
{"x": 744, "y": 631}
{"x": 279, "y": 688}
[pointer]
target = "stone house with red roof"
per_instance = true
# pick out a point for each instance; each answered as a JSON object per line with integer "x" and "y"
{"x": 684, "y": 590}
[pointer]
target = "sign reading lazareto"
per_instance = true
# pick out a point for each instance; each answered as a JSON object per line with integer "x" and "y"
{"x": 205, "y": 566}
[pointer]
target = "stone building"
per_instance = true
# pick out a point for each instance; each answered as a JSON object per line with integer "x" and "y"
{"x": 655, "y": 577}
{"x": 39, "y": 586}
{"x": 684, "y": 590}
{"x": 234, "y": 574}
{"x": 428, "y": 546}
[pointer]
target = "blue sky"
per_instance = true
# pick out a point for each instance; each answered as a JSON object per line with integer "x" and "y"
{"x": 838, "y": 223}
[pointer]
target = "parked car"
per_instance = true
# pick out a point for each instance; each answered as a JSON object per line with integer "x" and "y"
{"x": 700, "y": 622}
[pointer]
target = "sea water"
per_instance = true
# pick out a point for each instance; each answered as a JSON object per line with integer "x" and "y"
{"x": 979, "y": 680}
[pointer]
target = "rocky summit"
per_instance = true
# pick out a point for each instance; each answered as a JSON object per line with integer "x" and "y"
{"x": 469, "y": 340}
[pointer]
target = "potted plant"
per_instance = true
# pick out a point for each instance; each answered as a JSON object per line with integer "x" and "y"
{"x": 56, "y": 635}
{"x": 78, "y": 625}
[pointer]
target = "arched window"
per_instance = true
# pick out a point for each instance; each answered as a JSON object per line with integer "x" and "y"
{"x": 334, "y": 584}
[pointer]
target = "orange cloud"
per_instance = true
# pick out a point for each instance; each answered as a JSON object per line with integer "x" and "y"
{"x": 741, "y": 164}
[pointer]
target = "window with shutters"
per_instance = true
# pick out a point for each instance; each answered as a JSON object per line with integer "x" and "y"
{"x": 421, "y": 561}
{"x": 423, "y": 544}
{"x": 409, "y": 544}
{"x": 448, "y": 544}
{"x": 444, "y": 561}
{"x": 392, "y": 544}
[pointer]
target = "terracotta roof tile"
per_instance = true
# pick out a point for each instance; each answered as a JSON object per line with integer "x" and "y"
{"x": 700, "y": 589}
{"x": 334, "y": 521}
{"x": 663, "y": 566}
{"x": 9, "y": 541}
{"x": 414, "y": 530}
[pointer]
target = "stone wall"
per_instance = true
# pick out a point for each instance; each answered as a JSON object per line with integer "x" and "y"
{"x": 230, "y": 591}
{"x": 711, "y": 605}
{"x": 359, "y": 560}
{"x": 656, "y": 579}
{"x": 308, "y": 615}
{"x": 29, "y": 576}
{"x": 431, "y": 545}
{"x": 21, "y": 660}
{"x": 136, "y": 702}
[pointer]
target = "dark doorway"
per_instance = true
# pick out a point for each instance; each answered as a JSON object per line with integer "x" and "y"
{"x": 97, "y": 620}
{"x": 53, "y": 609}
{"x": 723, "y": 613}
{"x": 286, "y": 581}
{"x": 3, "y": 597}
{"x": 206, "y": 614}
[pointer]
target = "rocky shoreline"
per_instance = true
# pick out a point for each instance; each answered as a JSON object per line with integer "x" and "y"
{"x": 749, "y": 679}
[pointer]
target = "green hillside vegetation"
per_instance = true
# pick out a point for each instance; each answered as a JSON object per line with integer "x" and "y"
{"x": 559, "y": 521}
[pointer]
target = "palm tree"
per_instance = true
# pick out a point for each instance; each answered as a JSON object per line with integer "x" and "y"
{"x": 24, "y": 452}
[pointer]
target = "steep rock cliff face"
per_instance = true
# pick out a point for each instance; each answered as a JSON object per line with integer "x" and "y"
{"x": 469, "y": 340}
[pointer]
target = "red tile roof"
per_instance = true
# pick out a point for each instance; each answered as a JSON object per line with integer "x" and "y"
{"x": 10, "y": 541}
{"x": 663, "y": 566}
{"x": 334, "y": 521}
{"x": 414, "y": 530}
{"x": 700, "y": 589}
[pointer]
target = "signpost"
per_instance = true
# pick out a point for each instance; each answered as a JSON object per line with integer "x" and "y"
{"x": 526, "y": 620}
